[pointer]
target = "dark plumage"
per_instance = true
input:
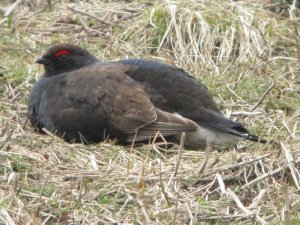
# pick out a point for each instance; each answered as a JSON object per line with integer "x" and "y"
{"x": 81, "y": 98}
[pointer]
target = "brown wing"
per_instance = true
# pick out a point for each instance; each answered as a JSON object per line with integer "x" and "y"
{"x": 166, "y": 123}
{"x": 112, "y": 94}
{"x": 132, "y": 109}
{"x": 134, "y": 112}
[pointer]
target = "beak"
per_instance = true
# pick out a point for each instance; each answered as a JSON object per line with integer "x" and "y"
{"x": 42, "y": 61}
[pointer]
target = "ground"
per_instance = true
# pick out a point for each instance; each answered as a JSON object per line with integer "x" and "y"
{"x": 246, "y": 54}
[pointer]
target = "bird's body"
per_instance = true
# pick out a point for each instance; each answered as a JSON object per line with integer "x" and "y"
{"x": 82, "y": 99}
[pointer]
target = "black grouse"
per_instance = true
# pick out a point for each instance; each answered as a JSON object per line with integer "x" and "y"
{"x": 80, "y": 98}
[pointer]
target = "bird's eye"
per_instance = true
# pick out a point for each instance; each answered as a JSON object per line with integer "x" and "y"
{"x": 63, "y": 56}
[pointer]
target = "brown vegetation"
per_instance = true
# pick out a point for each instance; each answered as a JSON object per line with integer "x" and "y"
{"x": 245, "y": 54}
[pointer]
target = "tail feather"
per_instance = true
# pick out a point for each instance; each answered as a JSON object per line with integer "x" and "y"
{"x": 255, "y": 138}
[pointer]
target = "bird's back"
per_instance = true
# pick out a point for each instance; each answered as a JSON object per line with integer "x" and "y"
{"x": 176, "y": 90}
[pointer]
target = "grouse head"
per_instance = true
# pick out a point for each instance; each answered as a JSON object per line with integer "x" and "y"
{"x": 64, "y": 58}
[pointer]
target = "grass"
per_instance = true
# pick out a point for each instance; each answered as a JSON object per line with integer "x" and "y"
{"x": 235, "y": 48}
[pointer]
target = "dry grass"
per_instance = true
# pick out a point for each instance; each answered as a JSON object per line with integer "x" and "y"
{"x": 245, "y": 54}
